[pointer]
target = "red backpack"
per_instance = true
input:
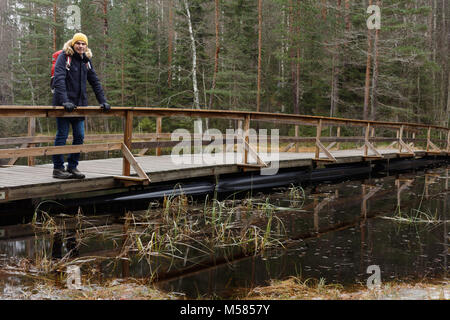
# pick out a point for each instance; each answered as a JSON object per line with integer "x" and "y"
{"x": 54, "y": 58}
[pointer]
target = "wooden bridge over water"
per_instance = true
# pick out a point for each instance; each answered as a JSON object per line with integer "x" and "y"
{"x": 325, "y": 147}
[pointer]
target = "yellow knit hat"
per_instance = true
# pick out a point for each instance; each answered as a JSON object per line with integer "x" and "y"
{"x": 79, "y": 37}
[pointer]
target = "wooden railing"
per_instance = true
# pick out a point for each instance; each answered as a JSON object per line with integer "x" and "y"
{"x": 158, "y": 140}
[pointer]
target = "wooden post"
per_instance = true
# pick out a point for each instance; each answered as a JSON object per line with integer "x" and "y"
{"x": 318, "y": 134}
{"x": 392, "y": 144}
{"x": 246, "y": 138}
{"x": 428, "y": 138}
{"x": 31, "y": 133}
{"x": 127, "y": 137}
{"x": 296, "y": 135}
{"x": 338, "y": 134}
{"x": 158, "y": 131}
{"x": 400, "y": 138}
{"x": 368, "y": 145}
{"x": 397, "y": 135}
{"x": 239, "y": 146}
{"x": 372, "y": 134}
{"x": 448, "y": 140}
{"x": 414, "y": 138}
{"x": 366, "y": 138}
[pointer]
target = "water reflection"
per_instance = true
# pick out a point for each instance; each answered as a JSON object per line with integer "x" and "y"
{"x": 344, "y": 231}
{"x": 334, "y": 231}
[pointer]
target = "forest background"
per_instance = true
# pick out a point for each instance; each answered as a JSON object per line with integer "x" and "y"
{"x": 312, "y": 57}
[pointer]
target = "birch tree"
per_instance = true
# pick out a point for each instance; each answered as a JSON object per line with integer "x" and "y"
{"x": 194, "y": 64}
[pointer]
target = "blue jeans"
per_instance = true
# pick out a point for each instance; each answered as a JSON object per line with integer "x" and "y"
{"x": 62, "y": 132}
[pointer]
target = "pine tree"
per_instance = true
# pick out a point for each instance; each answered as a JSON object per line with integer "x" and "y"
{"x": 31, "y": 64}
{"x": 236, "y": 78}
{"x": 131, "y": 76}
{"x": 312, "y": 57}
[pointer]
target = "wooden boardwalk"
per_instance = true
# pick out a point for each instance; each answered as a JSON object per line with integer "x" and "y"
{"x": 28, "y": 182}
{"x": 35, "y": 182}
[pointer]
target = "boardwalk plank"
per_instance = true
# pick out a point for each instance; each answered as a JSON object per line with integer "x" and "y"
{"x": 22, "y": 182}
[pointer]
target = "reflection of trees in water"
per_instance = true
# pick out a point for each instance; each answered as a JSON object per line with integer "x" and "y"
{"x": 323, "y": 214}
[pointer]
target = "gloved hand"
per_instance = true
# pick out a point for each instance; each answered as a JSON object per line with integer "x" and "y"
{"x": 69, "y": 106}
{"x": 105, "y": 106}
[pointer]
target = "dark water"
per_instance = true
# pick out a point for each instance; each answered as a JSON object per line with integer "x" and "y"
{"x": 334, "y": 232}
{"x": 345, "y": 230}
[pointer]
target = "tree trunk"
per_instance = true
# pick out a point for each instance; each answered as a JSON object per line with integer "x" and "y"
{"x": 122, "y": 80}
{"x": 194, "y": 57}
{"x": 158, "y": 44}
{"x": 297, "y": 80}
{"x": 419, "y": 100}
{"x": 54, "y": 27}
{"x": 373, "y": 101}
{"x": 284, "y": 50}
{"x": 297, "y": 69}
{"x": 291, "y": 47}
{"x": 216, "y": 55}
{"x": 105, "y": 23}
{"x": 334, "y": 86}
{"x": 335, "y": 71}
{"x": 324, "y": 10}
{"x": 295, "y": 55}
{"x": 434, "y": 31}
{"x": 170, "y": 49}
{"x": 347, "y": 15}
{"x": 105, "y": 57}
{"x": 194, "y": 64}
{"x": 445, "y": 64}
{"x": 368, "y": 63}
{"x": 2, "y": 25}
{"x": 448, "y": 99}
{"x": 258, "y": 91}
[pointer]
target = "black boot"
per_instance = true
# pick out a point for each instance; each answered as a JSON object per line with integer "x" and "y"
{"x": 75, "y": 174}
{"x": 61, "y": 174}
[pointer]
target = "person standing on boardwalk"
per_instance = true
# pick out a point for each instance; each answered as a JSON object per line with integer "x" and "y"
{"x": 73, "y": 69}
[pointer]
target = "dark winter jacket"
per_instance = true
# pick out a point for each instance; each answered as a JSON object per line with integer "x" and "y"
{"x": 70, "y": 85}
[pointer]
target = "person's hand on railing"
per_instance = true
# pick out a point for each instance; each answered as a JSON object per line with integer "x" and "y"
{"x": 69, "y": 106}
{"x": 105, "y": 106}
